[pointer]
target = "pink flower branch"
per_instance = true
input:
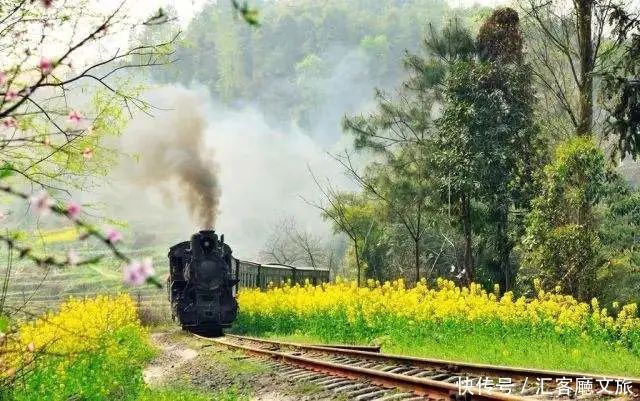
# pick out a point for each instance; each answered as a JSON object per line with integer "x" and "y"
{"x": 25, "y": 252}
{"x": 43, "y": 204}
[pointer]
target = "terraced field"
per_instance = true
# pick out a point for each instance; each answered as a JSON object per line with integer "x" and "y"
{"x": 32, "y": 290}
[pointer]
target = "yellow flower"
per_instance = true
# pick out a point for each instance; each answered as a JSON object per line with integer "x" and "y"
{"x": 80, "y": 325}
{"x": 376, "y": 303}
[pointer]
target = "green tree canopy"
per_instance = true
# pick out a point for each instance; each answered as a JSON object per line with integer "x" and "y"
{"x": 561, "y": 244}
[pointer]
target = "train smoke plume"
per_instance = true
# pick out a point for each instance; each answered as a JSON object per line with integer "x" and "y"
{"x": 173, "y": 155}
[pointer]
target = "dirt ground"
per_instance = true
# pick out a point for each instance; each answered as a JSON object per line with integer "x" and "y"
{"x": 186, "y": 361}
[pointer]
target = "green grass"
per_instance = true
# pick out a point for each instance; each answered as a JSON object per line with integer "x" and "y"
{"x": 585, "y": 356}
{"x": 188, "y": 394}
{"x": 478, "y": 343}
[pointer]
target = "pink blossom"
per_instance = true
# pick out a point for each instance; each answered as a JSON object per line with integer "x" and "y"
{"x": 9, "y": 122}
{"x": 72, "y": 258}
{"x": 3, "y": 78}
{"x": 87, "y": 153}
{"x": 132, "y": 274}
{"x": 10, "y": 96}
{"x": 3, "y": 216}
{"x": 146, "y": 267}
{"x": 113, "y": 235}
{"x": 136, "y": 273}
{"x": 74, "y": 117}
{"x": 73, "y": 210}
{"x": 41, "y": 203}
{"x": 45, "y": 65}
{"x": 31, "y": 347}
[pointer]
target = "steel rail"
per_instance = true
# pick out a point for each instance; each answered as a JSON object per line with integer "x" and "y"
{"x": 355, "y": 347}
{"x": 433, "y": 389}
{"x": 477, "y": 369}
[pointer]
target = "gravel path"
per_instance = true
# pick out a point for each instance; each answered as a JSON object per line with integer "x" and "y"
{"x": 187, "y": 361}
{"x": 173, "y": 355}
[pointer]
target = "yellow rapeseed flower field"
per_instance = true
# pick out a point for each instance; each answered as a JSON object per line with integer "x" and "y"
{"x": 92, "y": 348}
{"x": 79, "y": 324}
{"x": 376, "y": 304}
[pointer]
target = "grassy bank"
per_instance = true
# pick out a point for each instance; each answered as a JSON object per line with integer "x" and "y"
{"x": 551, "y": 331}
{"x": 187, "y": 394}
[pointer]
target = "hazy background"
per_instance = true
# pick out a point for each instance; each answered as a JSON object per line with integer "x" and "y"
{"x": 269, "y": 101}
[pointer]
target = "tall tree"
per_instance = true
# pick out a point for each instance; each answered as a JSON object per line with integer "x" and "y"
{"x": 349, "y": 214}
{"x": 566, "y": 30}
{"x": 487, "y": 142}
{"x": 403, "y": 185}
{"x": 574, "y": 44}
{"x": 620, "y": 89}
{"x": 584, "y": 16}
{"x": 461, "y": 130}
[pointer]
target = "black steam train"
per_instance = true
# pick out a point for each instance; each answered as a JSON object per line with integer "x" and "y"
{"x": 204, "y": 277}
{"x": 201, "y": 284}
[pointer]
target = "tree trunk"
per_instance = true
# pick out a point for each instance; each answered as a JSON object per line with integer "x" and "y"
{"x": 504, "y": 247}
{"x": 584, "y": 10}
{"x": 355, "y": 248}
{"x": 468, "y": 239}
{"x": 417, "y": 258}
{"x": 312, "y": 260}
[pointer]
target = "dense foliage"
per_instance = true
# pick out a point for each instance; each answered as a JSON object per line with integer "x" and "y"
{"x": 293, "y": 65}
{"x": 561, "y": 244}
{"x": 459, "y": 182}
{"x": 462, "y": 139}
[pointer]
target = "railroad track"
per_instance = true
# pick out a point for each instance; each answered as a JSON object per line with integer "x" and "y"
{"x": 363, "y": 374}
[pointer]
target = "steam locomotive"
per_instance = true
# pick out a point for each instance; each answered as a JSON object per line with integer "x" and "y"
{"x": 204, "y": 277}
{"x": 201, "y": 284}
